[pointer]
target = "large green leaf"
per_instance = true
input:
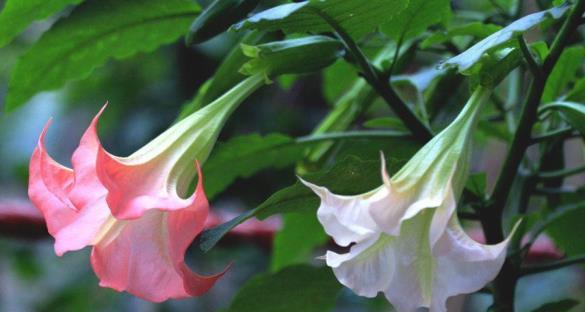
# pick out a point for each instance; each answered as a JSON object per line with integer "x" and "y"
{"x": 294, "y": 243}
{"x": 18, "y": 14}
{"x": 564, "y": 72}
{"x": 349, "y": 176}
{"x": 464, "y": 61}
{"x": 96, "y": 31}
{"x": 296, "y": 288}
{"x": 357, "y": 17}
{"x": 249, "y": 154}
{"x": 416, "y": 18}
{"x": 245, "y": 155}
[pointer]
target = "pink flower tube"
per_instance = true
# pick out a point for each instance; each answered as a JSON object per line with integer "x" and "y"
{"x": 132, "y": 209}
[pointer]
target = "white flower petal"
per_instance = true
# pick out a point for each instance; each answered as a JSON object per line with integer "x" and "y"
{"x": 367, "y": 268}
{"x": 441, "y": 218}
{"x": 410, "y": 272}
{"x": 401, "y": 267}
{"x": 463, "y": 265}
{"x": 346, "y": 218}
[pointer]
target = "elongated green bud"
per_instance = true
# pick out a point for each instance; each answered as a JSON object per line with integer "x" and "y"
{"x": 217, "y": 18}
{"x": 294, "y": 56}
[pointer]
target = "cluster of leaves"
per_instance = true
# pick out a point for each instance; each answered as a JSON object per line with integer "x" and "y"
{"x": 425, "y": 56}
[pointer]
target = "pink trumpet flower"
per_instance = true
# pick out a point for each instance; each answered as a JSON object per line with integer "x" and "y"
{"x": 132, "y": 209}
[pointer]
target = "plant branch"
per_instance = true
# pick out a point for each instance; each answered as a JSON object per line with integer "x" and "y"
{"x": 382, "y": 87}
{"x": 539, "y": 268}
{"x": 492, "y": 212}
{"x": 561, "y": 173}
{"x": 568, "y": 132}
{"x": 352, "y": 135}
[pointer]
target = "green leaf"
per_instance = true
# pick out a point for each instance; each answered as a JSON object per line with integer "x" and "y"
{"x": 416, "y": 18}
{"x": 573, "y": 112}
{"x": 294, "y": 243}
{"x": 296, "y": 288}
{"x": 564, "y": 305}
{"x": 577, "y": 94}
{"x": 476, "y": 183}
{"x": 96, "y": 31}
{"x": 245, "y": 155}
{"x": 566, "y": 225}
{"x": 357, "y": 17}
{"x": 564, "y": 72}
{"x": 385, "y": 122}
{"x": 464, "y": 61}
{"x": 18, "y": 14}
{"x": 349, "y": 176}
{"x": 358, "y": 175}
{"x": 494, "y": 130}
{"x": 217, "y": 18}
{"x": 474, "y": 29}
{"x": 337, "y": 79}
{"x": 210, "y": 237}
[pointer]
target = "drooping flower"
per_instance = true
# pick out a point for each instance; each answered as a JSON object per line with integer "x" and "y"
{"x": 405, "y": 238}
{"x": 132, "y": 209}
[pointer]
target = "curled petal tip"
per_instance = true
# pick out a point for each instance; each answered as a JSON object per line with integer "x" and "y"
{"x": 385, "y": 176}
{"x": 41, "y": 140}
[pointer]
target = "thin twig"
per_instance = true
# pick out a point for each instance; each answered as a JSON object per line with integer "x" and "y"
{"x": 568, "y": 132}
{"x": 352, "y": 135}
{"x": 539, "y": 268}
{"x": 561, "y": 173}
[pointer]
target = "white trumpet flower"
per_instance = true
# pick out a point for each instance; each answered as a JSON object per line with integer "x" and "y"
{"x": 405, "y": 238}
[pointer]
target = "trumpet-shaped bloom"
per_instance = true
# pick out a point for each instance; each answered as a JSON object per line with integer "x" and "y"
{"x": 405, "y": 238}
{"x": 132, "y": 209}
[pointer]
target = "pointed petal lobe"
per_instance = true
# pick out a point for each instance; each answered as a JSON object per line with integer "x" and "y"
{"x": 346, "y": 218}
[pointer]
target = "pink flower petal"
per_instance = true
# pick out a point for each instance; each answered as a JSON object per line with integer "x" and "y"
{"x": 73, "y": 223}
{"x": 146, "y": 256}
{"x": 135, "y": 188}
{"x": 48, "y": 183}
{"x": 88, "y": 188}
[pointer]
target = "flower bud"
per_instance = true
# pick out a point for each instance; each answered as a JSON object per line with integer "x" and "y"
{"x": 293, "y": 56}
